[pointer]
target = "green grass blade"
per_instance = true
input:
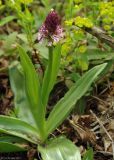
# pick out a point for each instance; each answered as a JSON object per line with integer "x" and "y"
{"x": 33, "y": 90}
{"x": 65, "y": 105}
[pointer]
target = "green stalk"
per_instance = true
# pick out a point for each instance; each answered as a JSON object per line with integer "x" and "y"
{"x": 47, "y": 77}
{"x": 51, "y": 73}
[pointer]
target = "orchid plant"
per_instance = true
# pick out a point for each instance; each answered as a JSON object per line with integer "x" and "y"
{"x": 29, "y": 124}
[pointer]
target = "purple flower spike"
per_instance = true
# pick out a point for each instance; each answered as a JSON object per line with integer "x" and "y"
{"x": 51, "y": 29}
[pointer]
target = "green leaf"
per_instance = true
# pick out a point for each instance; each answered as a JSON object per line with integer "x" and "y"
{"x": 60, "y": 149}
{"x": 9, "y": 144}
{"x": 43, "y": 50}
{"x": 81, "y": 104}
{"x": 88, "y": 155}
{"x": 19, "y": 128}
{"x": 93, "y": 53}
{"x": 23, "y": 38}
{"x": 12, "y": 139}
{"x": 9, "y": 147}
{"x": 9, "y": 42}
{"x": 6, "y": 20}
{"x": 65, "y": 105}
{"x": 22, "y": 105}
{"x": 51, "y": 72}
{"x": 108, "y": 67}
{"x": 33, "y": 89}
{"x": 45, "y": 2}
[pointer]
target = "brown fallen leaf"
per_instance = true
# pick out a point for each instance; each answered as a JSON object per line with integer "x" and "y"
{"x": 81, "y": 126}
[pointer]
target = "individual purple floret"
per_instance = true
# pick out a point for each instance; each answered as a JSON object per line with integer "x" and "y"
{"x": 51, "y": 29}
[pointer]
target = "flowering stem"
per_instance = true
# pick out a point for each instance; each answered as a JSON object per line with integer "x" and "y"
{"x": 47, "y": 77}
{"x": 51, "y": 72}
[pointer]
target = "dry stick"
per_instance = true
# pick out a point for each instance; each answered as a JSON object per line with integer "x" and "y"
{"x": 3, "y": 69}
{"x": 36, "y": 54}
{"x": 100, "y": 100}
{"x": 105, "y": 153}
{"x": 104, "y": 131}
{"x": 101, "y": 35}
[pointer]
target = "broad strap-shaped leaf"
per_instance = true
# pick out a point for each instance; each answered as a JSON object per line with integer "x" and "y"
{"x": 32, "y": 85}
{"x": 65, "y": 105}
{"x": 12, "y": 144}
{"x": 19, "y": 128}
{"x": 10, "y": 147}
{"x": 21, "y": 102}
{"x": 12, "y": 139}
{"x": 20, "y": 135}
{"x": 60, "y": 149}
{"x": 51, "y": 72}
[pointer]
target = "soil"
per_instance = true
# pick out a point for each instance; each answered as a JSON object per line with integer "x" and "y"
{"x": 13, "y": 156}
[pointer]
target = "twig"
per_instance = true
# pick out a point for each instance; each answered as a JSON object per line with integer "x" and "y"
{"x": 35, "y": 55}
{"x": 101, "y": 35}
{"x": 100, "y": 100}
{"x": 3, "y": 69}
{"x": 104, "y": 131}
{"x": 105, "y": 153}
